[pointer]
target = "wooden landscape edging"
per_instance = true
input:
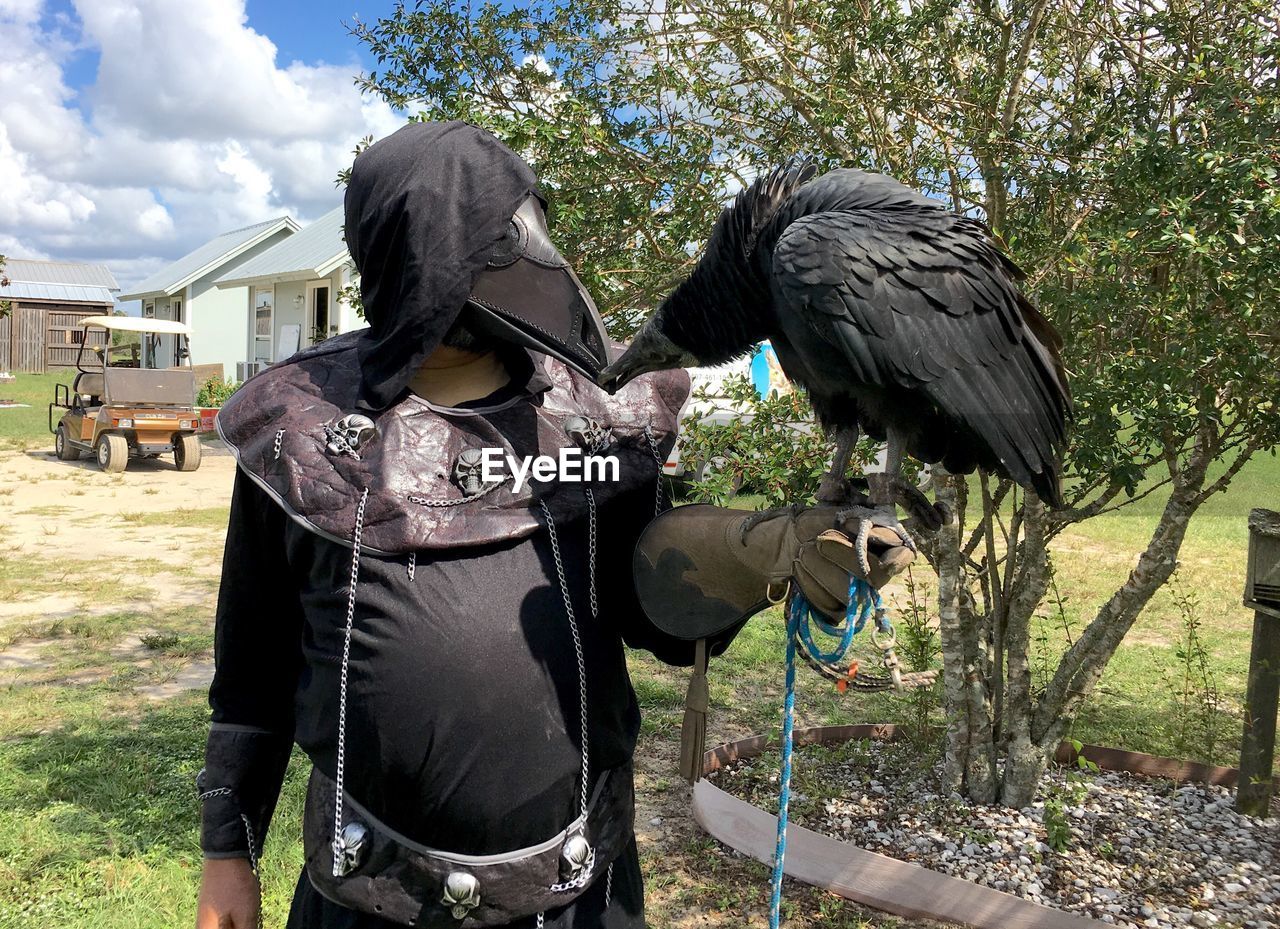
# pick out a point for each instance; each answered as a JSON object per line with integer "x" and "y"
{"x": 1174, "y": 769}
{"x": 889, "y": 884}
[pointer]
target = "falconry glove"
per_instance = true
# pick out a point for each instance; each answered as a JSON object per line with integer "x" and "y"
{"x": 702, "y": 569}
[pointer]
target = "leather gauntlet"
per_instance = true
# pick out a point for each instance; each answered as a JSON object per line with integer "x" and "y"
{"x": 700, "y": 569}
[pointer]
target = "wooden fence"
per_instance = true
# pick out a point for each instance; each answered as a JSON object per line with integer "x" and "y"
{"x": 35, "y": 337}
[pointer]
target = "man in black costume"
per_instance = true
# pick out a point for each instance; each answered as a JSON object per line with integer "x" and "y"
{"x": 447, "y": 650}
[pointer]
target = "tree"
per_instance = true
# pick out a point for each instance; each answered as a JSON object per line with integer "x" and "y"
{"x": 6, "y": 306}
{"x": 1123, "y": 149}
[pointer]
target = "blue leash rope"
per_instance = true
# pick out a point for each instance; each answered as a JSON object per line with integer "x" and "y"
{"x": 798, "y": 605}
{"x": 864, "y": 604}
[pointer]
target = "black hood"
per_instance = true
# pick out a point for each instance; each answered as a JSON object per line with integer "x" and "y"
{"x": 424, "y": 208}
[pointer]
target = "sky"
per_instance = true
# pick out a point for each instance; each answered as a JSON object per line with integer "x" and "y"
{"x": 132, "y": 131}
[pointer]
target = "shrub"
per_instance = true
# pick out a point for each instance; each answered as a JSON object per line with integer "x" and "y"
{"x": 215, "y": 391}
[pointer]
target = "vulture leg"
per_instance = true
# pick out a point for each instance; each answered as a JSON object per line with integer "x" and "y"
{"x": 834, "y": 489}
{"x": 885, "y": 493}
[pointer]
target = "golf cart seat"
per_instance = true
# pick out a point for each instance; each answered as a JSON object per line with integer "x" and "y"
{"x": 89, "y": 385}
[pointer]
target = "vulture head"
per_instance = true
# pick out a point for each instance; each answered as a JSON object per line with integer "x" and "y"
{"x": 724, "y": 308}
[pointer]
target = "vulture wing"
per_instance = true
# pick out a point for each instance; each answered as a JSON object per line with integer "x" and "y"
{"x": 924, "y": 311}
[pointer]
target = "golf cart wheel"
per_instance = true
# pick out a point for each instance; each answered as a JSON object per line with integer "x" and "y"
{"x": 186, "y": 452}
{"x": 113, "y": 453}
{"x": 62, "y": 446}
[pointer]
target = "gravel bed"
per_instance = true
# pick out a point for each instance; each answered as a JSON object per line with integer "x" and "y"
{"x": 1140, "y": 852}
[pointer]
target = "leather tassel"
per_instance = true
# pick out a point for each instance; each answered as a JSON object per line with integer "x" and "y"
{"x": 693, "y": 735}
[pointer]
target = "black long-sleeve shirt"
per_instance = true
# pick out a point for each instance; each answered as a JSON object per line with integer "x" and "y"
{"x": 462, "y": 704}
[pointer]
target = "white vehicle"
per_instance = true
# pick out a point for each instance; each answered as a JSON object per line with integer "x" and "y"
{"x": 719, "y": 410}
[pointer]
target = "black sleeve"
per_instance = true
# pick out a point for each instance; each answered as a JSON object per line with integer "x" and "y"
{"x": 621, "y": 526}
{"x": 257, "y": 658}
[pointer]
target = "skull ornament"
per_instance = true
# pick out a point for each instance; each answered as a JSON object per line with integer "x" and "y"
{"x": 589, "y": 435}
{"x": 461, "y": 893}
{"x": 351, "y": 848}
{"x": 348, "y": 434}
{"x": 468, "y": 471}
{"x": 577, "y": 855}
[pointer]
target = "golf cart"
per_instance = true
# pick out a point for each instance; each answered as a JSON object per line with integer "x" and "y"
{"x": 117, "y": 408}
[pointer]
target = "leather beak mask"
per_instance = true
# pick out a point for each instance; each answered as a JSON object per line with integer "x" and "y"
{"x": 529, "y": 295}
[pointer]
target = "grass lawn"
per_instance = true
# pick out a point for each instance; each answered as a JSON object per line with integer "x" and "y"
{"x": 28, "y": 427}
{"x": 98, "y": 821}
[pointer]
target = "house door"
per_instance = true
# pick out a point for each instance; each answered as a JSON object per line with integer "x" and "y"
{"x": 149, "y": 341}
{"x": 162, "y": 345}
{"x": 175, "y": 342}
{"x": 319, "y": 324}
{"x": 263, "y": 320}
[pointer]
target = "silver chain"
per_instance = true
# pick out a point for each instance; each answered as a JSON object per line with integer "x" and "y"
{"x": 582, "y": 880}
{"x": 591, "y": 547}
{"x": 342, "y": 685}
{"x": 253, "y": 862}
{"x": 458, "y": 501}
{"x": 577, "y": 648}
{"x": 279, "y": 439}
{"x": 608, "y": 886}
{"x": 657, "y": 456}
{"x": 413, "y": 565}
{"x": 253, "y": 846}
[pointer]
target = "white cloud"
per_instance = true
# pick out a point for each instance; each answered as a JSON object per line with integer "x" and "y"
{"x": 191, "y": 128}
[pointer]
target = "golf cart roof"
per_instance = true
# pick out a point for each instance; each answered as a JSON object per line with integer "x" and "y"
{"x": 137, "y": 324}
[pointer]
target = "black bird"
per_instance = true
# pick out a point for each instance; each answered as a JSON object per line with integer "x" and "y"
{"x": 896, "y": 315}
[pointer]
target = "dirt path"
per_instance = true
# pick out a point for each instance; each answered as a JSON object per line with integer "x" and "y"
{"x": 77, "y": 544}
{"x": 47, "y": 503}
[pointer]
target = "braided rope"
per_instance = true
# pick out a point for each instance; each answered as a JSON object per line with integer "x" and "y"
{"x": 784, "y": 786}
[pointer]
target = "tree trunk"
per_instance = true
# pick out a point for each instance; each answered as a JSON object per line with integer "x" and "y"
{"x": 956, "y": 759}
{"x": 1024, "y": 763}
{"x": 969, "y": 764}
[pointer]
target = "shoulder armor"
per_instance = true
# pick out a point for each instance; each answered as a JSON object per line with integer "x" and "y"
{"x": 294, "y": 430}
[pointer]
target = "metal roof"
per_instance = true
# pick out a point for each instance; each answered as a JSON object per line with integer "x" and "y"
{"x": 208, "y": 257}
{"x": 58, "y": 293}
{"x": 75, "y": 273}
{"x": 313, "y": 252}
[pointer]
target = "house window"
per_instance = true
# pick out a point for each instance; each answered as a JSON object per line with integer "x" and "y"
{"x": 263, "y": 316}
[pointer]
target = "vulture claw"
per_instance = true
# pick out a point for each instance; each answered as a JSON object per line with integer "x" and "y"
{"x": 868, "y": 516}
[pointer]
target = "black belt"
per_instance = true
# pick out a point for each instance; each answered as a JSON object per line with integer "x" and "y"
{"x": 403, "y": 882}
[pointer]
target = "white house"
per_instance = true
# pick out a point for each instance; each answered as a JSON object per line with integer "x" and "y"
{"x": 290, "y": 293}
{"x": 219, "y": 317}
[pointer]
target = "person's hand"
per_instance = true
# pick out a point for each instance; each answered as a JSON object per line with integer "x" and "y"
{"x": 228, "y": 895}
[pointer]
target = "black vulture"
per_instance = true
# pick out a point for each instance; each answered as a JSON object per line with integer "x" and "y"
{"x": 898, "y": 316}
